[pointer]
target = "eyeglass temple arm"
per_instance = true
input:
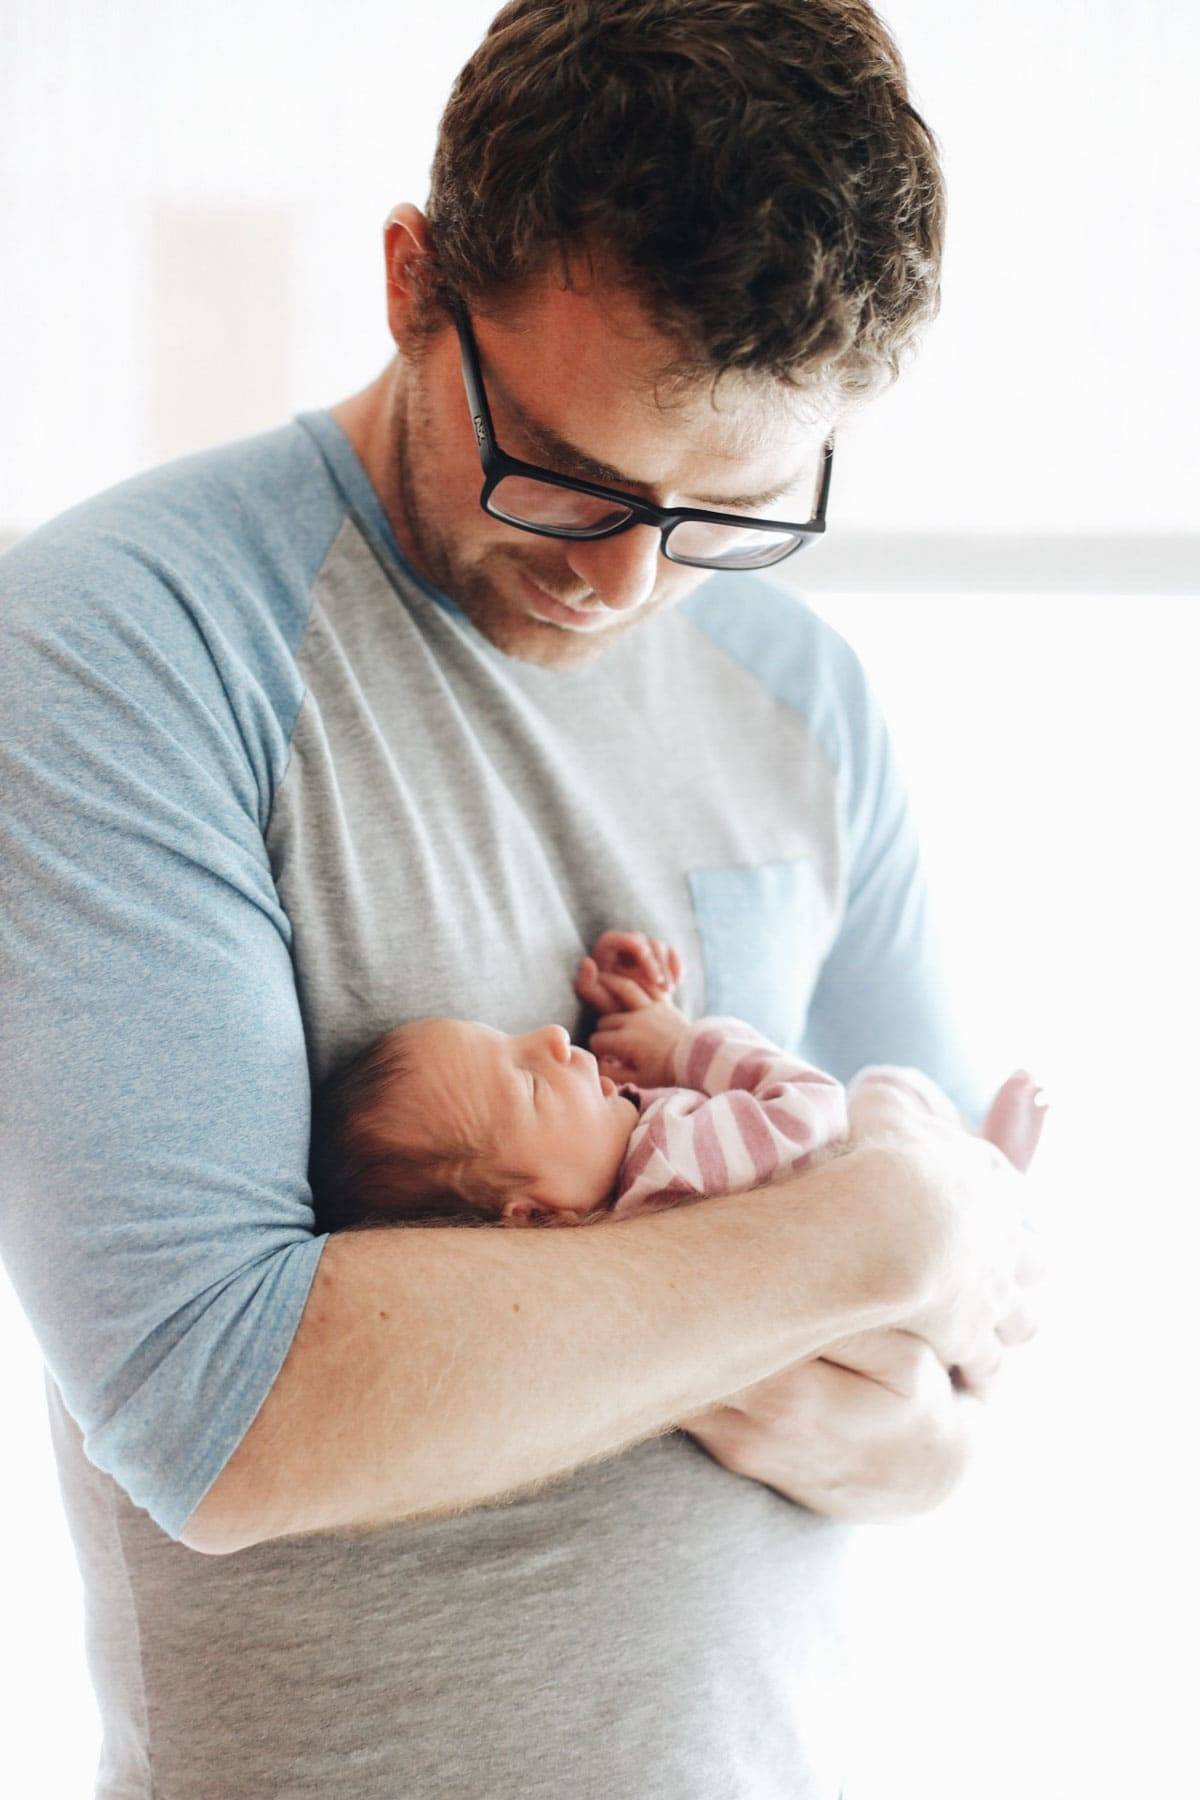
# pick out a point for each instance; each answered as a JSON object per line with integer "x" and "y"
{"x": 826, "y": 478}
{"x": 481, "y": 412}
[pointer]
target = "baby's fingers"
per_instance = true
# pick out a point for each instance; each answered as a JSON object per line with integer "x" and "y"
{"x": 610, "y": 1043}
{"x": 630, "y": 996}
{"x": 630, "y": 953}
{"x": 612, "y": 1033}
{"x": 593, "y": 989}
{"x": 612, "y": 1054}
{"x": 669, "y": 962}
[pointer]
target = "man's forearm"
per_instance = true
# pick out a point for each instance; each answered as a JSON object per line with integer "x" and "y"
{"x": 435, "y": 1370}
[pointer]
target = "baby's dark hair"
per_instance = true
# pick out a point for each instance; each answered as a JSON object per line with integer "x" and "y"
{"x": 370, "y": 1164}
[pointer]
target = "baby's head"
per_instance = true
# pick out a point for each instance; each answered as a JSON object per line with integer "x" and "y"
{"x": 447, "y": 1121}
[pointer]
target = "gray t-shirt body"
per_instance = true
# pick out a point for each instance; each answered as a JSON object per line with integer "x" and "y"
{"x": 264, "y": 795}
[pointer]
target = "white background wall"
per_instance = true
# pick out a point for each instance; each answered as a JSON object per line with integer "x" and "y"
{"x": 190, "y": 210}
{"x": 191, "y": 200}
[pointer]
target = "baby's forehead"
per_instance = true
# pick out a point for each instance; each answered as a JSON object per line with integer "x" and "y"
{"x": 447, "y": 1055}
{"x": 451, "y": 1063}
{"x": 443, "y": 1039}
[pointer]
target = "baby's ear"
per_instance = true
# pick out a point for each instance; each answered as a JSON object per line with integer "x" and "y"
{"x": 528, "y": 1210}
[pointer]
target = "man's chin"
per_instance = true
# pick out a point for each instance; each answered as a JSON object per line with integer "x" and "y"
{"x": 512, "y": 626}
{"x": 548, "y": 645}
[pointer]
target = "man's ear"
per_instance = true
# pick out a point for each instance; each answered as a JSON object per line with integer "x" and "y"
{"x": 405, "y": 245}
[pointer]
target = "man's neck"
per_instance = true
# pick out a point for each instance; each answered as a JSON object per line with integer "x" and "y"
{"x": 366, "y": 419}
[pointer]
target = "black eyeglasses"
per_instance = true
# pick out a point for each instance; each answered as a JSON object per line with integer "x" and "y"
{"x": 557, "y": 506}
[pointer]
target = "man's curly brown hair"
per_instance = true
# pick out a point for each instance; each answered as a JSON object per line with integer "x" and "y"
{"x": 754, "y": 167}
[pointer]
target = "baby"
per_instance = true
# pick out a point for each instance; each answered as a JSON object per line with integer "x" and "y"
{"x": 451, "y": 1122}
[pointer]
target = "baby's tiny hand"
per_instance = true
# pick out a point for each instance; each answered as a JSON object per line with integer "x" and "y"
{"x": 658, "y": 966}
{"x": 609, "y": 993}
{"x": 638, "y": 1045}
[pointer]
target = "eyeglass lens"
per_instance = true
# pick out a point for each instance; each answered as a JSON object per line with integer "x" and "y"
{"x": 523, "y": 500}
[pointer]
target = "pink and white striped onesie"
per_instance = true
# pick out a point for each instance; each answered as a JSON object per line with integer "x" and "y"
{"x": 744, "y": 1112}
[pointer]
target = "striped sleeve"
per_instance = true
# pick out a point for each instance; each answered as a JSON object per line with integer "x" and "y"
{"x": 744, "y": 1112}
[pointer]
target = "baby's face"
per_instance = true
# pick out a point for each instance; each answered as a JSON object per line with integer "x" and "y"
{"x": 538, "y": 1100}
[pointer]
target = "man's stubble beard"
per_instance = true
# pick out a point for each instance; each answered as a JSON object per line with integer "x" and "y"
{"x": 430, "y": 545}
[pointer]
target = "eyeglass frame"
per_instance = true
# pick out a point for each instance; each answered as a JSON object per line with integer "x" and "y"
{"x": 497, "y": 464}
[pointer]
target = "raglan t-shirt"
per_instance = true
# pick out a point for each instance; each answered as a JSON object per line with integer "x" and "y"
{"x": 263, "y": 794}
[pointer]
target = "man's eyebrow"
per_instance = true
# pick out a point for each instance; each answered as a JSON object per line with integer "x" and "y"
{"x": 565, "y": 458}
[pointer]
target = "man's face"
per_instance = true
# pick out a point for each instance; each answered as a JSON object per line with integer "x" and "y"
{"x": 570, "y": 378}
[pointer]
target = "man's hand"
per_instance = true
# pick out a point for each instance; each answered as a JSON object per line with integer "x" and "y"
{"x": 985, "y": 1304}
{"x": 876, "y": 1427}
{"x": 872, "y": 1430}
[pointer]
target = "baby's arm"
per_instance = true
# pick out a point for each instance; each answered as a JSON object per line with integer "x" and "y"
{"x": 631, "y": 972}
{"x": 740, "y": 1113}
{"x": 728, "y": 1060}
{"x": 650, "y": 1042}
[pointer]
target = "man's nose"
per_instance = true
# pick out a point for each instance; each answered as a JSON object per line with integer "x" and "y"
{"x": 621, "y": 571}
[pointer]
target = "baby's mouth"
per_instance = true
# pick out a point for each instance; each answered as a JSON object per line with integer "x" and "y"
{"x": 608, "y": 1086}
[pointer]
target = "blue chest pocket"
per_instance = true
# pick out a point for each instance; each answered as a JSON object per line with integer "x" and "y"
{"x": 764, "y": 931}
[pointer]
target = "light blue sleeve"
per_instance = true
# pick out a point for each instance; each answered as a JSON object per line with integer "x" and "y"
{"x": 155, "y": 1217}
{"x": 882, "y": 994}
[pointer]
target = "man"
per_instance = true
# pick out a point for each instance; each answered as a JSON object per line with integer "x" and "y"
{"x": 302, "y": 741}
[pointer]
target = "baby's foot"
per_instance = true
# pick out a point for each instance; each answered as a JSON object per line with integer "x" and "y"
{"x": 1015, "y": 1118}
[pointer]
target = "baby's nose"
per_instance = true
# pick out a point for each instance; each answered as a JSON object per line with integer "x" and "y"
{"x": 558, "y": 1041}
